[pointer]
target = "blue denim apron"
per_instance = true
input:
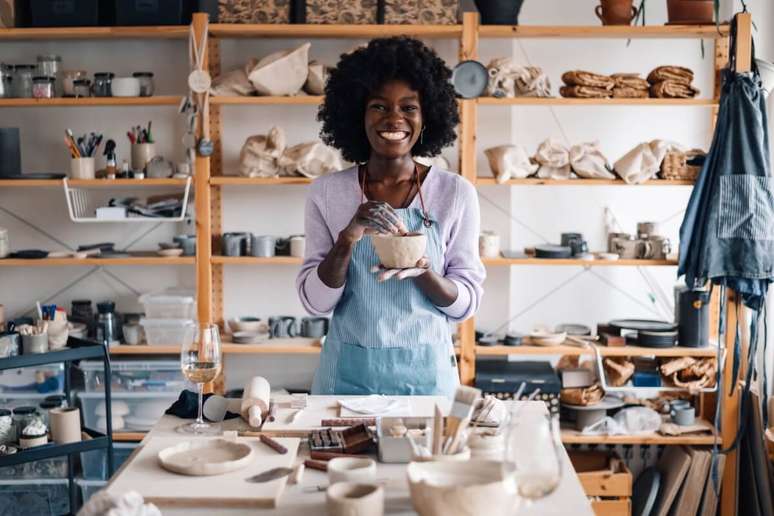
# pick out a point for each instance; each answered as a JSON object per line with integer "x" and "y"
{"x": 388, "y": 338}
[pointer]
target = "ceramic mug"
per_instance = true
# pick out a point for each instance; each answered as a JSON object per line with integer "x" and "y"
{"x": 187, "y": 243}
{"x": 633, "y": 249}
{"x": 489, "y": 244}
{"x": 82, "y": 168}
{"x": 354, "y": 499}
{"x": 297, "y": 246}
{"x": 575, "y": 242}
{"x": 132, "y": 334}
{"x": 646, "y": 229}
{"x": 661, "y": 247}
{"x": 314, "y": 327}
{"x": 141, "y": 154}
{"x": 235, "y": 244}
{"x": 32, "y": 344}
{"x": 351, "y": 469}
{"x": 611, "y": 237}
{"x": 263, "y": 245}
{"x": 282, "y": 247}
{"x": 683, "y": 416}
{"x": 283, "y": 326}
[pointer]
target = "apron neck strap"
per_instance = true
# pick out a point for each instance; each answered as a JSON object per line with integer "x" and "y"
{"x": 425, "y": 215}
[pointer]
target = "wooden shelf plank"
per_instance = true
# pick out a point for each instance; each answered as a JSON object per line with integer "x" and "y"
{"x": 162, "y": 100}
{"x": 298, "y": 346}
{"x": 504, "y": 262}
{"x": 239, "y": 180}
{"x": 581, "y": 182}
{"x": 300, "y": 100}
{"x": 622, "y": 351}
{"x": 604, "y": 32}
{"x": 124, "y": 349}
{"x": 562, "y": 101}
{"x": 222, "y": 30}
{"x": 90, "y": 33}
{"x": 575, "y": 437}
{"x": 134, "y": 259}
{"x": 253, "y": 260}
{"x": 107, "y": 183}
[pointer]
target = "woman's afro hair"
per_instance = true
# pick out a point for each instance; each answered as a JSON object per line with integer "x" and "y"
{"x": 363, "y": 71}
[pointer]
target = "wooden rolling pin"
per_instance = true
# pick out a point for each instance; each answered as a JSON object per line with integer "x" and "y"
{"x": 255, "y": 401}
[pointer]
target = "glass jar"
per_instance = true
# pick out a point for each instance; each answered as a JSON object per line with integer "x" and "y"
{"x": 146, "y": 83}
{"x": 7, "y": 429}
{"x": 22, "y": 81}
{"x": 68, "y": 79}
{"x": 23, "y": 417}
{"x": 6, "y": 72}
{"x": 43, "y": 87}
{"x": 81, "y": 88}
{"x": 102, "y": 83}
{"x": 51, "y": 66}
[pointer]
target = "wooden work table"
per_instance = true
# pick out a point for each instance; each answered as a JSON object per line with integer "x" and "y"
{"x": 308, "y": 497}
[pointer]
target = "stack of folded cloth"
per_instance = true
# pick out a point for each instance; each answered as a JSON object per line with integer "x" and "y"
{"x": 586, "y": 85}
{"x": 672, "y": 82}
{"x": 630, "y": 86}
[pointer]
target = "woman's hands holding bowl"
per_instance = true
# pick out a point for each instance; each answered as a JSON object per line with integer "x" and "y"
{"x": 383, "y": 273}
{"x": 374, "y": 217}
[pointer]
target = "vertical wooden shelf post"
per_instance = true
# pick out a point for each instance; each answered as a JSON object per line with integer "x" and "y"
{"x": 467, "y": 151}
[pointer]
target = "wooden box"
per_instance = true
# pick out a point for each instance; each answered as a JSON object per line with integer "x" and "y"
{"x": 606, "y": 479}
{"x": 254, "y": 11}
{"x": 424, "y": 12}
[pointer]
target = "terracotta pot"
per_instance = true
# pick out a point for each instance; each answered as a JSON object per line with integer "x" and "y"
{"x": 691, "y": 12}
{"x": 616, "y": 12}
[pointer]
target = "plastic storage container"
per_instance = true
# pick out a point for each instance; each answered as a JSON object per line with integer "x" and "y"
{"x": 149, "y": 12}
{"x": 169, "y": 304}
{"x": 131, "y": 376}
{"x": 55, "y": 467}
{"x": 58, "y": 13}
{"x": 38, "y": 497}
{"x": 132, "y": 411}
{"x": 94, "y": 463}
{"x": 89, "y": 488}
{"x": 165, "y": 332}
{"x": 45, "y": 379}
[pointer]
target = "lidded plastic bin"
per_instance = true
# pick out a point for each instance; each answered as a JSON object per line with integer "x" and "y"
{"x": 169, "y": 304}
{"x": 166, "y": 332}
{"x": 132, "y": 411}
{"x": 134, "y": 376}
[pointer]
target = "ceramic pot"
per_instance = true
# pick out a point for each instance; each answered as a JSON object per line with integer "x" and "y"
{"x": 235, "y": 244}
{"x": 82, "y": 168}
{"x": 314, "y": 327}
{"x": 399, "y": 252}
{"x": 351, "y": 469}
{"x": 142, "y": 153}
{"x": 352, "y": 499}
{"x": 499, "y": 12}
{"x": 690, "y": 12}
{"x": 33, "y": 344}
{"x": 263, "y": 246}
{"x": 616, "y": 12}
{"x": 126, "y": 87}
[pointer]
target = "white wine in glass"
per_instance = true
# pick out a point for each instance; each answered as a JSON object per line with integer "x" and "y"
{"x": 200, "y": 360}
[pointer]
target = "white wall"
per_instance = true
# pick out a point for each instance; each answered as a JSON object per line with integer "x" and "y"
{"x": 279, "y": 210}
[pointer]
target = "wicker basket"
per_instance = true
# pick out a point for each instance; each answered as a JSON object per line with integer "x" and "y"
{"x": 675, "y": 165}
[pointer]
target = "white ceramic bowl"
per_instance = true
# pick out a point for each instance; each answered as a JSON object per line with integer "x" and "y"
{"x": 470, "y": 488}
{"x": 398, "y": 251}
{"x": 125, "y": 87}
{"x": 354, "y": 499}
{"x": 351, "y": 469}
{"x": 248, "y": 324}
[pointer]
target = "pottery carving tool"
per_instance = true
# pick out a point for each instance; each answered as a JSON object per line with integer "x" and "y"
{"x": 255, "y": 401}
{"x": 462, "y": 408}
{"x": 274, "y": 445}
{"x": 269, "y": 475}
{"x": 437, "y": 431}
{"x": 316, "y": 464}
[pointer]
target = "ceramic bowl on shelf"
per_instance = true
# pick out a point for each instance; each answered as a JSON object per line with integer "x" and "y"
{"x": 248, "y": 324}
{"x": 400, "y": 251}
{"x": 170, "y": 253}
{"x": 545, "y": 338}
{"x": 247, "y": 337}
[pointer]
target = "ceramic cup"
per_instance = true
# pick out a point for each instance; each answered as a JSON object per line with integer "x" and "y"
{"x": 616, "y": 12}
{"x": 661, "y": 247}
{"x": 351, "y": 469}
{"x": 263, "y": 246}
{"x": 142, "y": 153}
{"x": 297, "y": 246}
{"x": 125, "y": 87}
{"x": 683, "y": 416}
{"x": 132, "y": 334}
{"x": 283, "y": 326}
{"x": 187, "y": 243}
{"x": 234, "y": 244}
{"x": 489, "y": 244}
{"x": 314, "y": 327}
{"x": 632, "y": 249}
{"x": 32, "y": 344}
{"x": 282, "y": 247}
{"x": 65, "y": 425}
{"x": 611, "y": 238}
{"x": 82, "y": 168}
{"x": 354, "y": 499}
{"x": 646, "y": 229}
{"x": 575, "y": 242}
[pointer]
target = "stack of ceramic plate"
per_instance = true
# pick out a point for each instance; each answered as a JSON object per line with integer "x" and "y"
{"x": 544, "y": 338}
{"x": 246, "y": 337}
{"x": 649, "y": 334}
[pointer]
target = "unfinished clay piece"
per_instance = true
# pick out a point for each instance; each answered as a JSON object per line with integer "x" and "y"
{"x": 234, "y": 83}
{"x": 644, "y": 161}
{"x": 400, "y": 251}
{"x": 509, "y": 161}
{"x": 587, "y": 160}
{"x": 204, "y": 457}
{"x": 315, "y": 81}
{"x": 469, "y": 488}
{"x": 312, "y": 159}
{"x": 281, "y": 73}
{"x": 260, "y": 154}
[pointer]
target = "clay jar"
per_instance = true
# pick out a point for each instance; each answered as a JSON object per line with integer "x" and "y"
{"x": 400, "y": 251}
{"x": 690, "y": 11}
{"x": 616, "y": 12}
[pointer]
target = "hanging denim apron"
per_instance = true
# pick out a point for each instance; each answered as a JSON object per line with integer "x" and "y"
{"x": 388, "y": 338}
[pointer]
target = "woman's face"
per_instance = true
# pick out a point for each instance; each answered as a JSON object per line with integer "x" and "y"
{"x": 393, "y": 119}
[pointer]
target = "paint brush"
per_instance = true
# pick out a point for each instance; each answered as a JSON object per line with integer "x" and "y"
{"x": 462, "y": 408}
{"x": 437, "y": 430}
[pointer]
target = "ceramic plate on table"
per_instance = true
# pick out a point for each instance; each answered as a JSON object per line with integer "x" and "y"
{"x": 206, "y": 457}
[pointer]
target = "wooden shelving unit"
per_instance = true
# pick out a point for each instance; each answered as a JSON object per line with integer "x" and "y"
{"x": 224, "y": 31}
{"x": 604, "y": 32}
{"x": 258, "y": 181}
{"x": 94, "y": 33}
{"x": 133, "y": 259}
{"x": 161, "y": 100}
{"x": 575, "y": 437}
{"x": 271, "y": 346}
{"x": 107, "y": 183}
{"x": 562, "y": 101}
{"x": 252, "y": 260}
{"x": 300, "y": 100}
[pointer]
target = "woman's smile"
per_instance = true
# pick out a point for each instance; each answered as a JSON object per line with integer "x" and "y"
{"x": 394, "y": 136}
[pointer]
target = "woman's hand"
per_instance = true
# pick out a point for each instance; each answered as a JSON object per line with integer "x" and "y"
{"x": 373, "y": 217}
{"x": 422, "y": 266}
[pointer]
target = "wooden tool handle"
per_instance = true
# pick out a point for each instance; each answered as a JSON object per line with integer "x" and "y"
{"x": 324, "y": 455}
{"x": 271, "y": 443}
{"x": 316, "y": 464}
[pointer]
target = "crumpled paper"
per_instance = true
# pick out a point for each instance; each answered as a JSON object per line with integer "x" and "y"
{"x": 643, "y": 162}
{"x": 234, "y": 83}
{"x": 260, "y": 154}
{"x": 509, "y": 161}
{"x": 312, "y": 159}
{"x": 554, "y": 160}
{"x": 127, "y": 504}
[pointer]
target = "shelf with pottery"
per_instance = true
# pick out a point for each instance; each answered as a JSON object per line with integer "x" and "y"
{"x": 83, "y": 183}
{"x": 161, "y": 100}
{"x": 270, "y": 346}
{"x": 615, "y": 351}
{"x": 309, "y": 30}
{"x": 147, "y": 258}
{"x": 605, "y": 31}
{"x": 300, "y": 100}
{"x": 533, "y": 181}
{"x": 91, "y": 33}
{"x": 502, "y": 261}
{"x": 254, "y": 260}
{"x": 258, "y": 181}
{"x": 570, "y": 436}
{"x": 564, "y": 101}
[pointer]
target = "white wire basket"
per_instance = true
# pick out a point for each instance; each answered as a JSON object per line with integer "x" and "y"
{"x": 82, "y": 207}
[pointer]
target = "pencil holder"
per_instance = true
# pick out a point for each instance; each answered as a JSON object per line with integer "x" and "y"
{"x": 82, "y": 168}
{"x": 142, "y": 153}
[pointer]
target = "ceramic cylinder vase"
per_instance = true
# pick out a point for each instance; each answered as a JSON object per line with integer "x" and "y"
{"x": 616, "y": 12}
{"x": 263, "y": 246}
{"x": 82, "y": 168}
{"x": 142, "y": 153}
{"x": 65, "y": 425}
{"x": 33, "y": 344}
{"x": 297, "y": 246}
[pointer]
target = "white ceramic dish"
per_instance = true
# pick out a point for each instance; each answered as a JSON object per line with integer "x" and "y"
{"x": 170, "y": 253}
{"x": 399, "y": 251}
{"x": 248, "y": 324}
{"x": 125, "y": 87}
{"x": 470, "y": 488}
{"x": 542, "y": 338}
{"x": 247, "y": 337}
{"x": 205, "y": 457}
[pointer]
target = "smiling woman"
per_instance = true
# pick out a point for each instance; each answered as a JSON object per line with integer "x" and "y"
{"x": 385, "y": 104}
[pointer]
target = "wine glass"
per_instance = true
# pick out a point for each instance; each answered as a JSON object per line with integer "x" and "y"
{"x": 200, "y": 360}
{"x": 532, "y": 465}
